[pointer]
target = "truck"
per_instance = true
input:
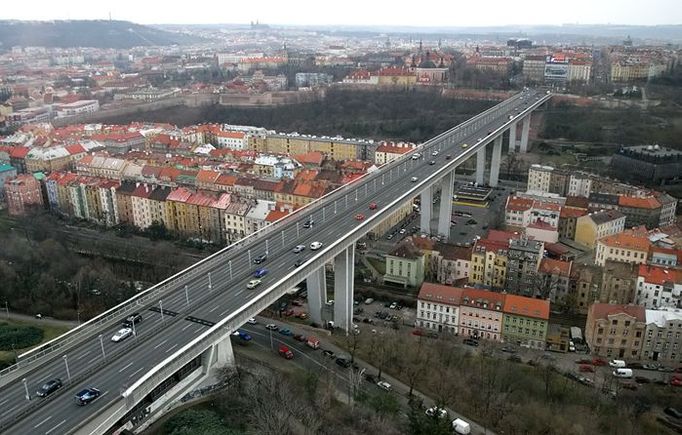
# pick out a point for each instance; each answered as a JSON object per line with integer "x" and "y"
{"x": 313, "y": 343}
{"x": 461, "y": 427}
{"x": 576, "y": 335}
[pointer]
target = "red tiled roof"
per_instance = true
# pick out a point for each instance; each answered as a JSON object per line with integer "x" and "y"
{"x": 491, "y": 298}
{"x": 391, "y": 149}
{"x": 527, "y": 307}
{"x": 276, "y": 215}
{"x": 630, "y": 201}
{"x": 440, "y": 294}
{"x": 503, "y": 236}
{"x": 311, "y": 158}
{"x": 205, "y": 176}
{"x": 555, "y": 267}
{"x": 519, "y": 204}
{"x": 659, "y": 275}
{"x": 570, "y": 212}
{"x": 628, "y": 240}
{"x": 19, "y": 152}
{"x": 603, "y": 311}
{"x": 75, "y": 149}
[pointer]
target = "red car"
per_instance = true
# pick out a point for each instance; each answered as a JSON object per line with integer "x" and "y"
{"x": 599, "y": 362}
{"x": 372, "y": 205}
{"x": 586, "y": 369}
{"x": 285, "y": 352}
{"x": 359, "y": 217}
{"x": 676, "y": 381}
{"x": 418, "y": 332}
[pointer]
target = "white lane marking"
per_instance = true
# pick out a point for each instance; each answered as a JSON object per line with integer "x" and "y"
{"x": 55, "y": 427}
{"x": 8, "y": 410}
{"x": 213, "y": 309}
{"x": 160, "y": 344}
{"x": 136, "y": 372}
{"x": 84, "y": 355}
{"x": 188, "y": 325}
{"x": 3, "y": 402}
{"x": 37, "y": 425}
{"x": 124, "y": 368}
{"x": 198, "y": 330}
{"x": 226, "y": 311}
{"x": 172, "y": 347}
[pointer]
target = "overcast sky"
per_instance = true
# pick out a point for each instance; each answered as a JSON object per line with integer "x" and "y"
{"x": 356, "y": 12}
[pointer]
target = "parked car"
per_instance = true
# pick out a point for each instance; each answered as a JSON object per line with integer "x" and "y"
{"x": 369, "y": 301}
{"x": 583, "y": 361}
{"x": 642, "y": 380}
{"x": 586, "y": 368}
{"x": 286, "y": 331}
{"x": 49, "y": 387}
{"x": 343, "y": 362}
{"x": 122, "y": 334}
{"x": 87, "y": 395}
{"x": 271, "y": 327}
{"x": 599, "y": 362}
{"x": 285, "y": 352}
{"x": 384, "y": 385}
{"x": 471, "y": 342}
{"x": 435, "y": 411}
{"x": 300, "y": 337}
{"x": 328, "y": 353}
{"x": 673, "y": 412}
{"x": 252, "y": 321}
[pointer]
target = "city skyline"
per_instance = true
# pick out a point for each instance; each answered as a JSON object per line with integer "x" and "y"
{"x": 307, "y": 12}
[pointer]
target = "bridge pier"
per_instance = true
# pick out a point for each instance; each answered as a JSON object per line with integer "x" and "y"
{"x": 447, "y": 185}
{"x": 344, "y": 269}
{"x": 512, "y": 138}
{"x": 525, "y": 129}
{"x": 480, "y": 165}
{"x": 223, "y": 353}
{"x": 317, "y": 286}
{"x": 495, "y": 161}
{"x": 426, "y": 206}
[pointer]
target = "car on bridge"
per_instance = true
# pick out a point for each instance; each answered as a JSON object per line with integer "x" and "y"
{"x": 122, "y": 334}
{"x": 134, "y": 318}
{"x": 414, "y": 179}
{"x": 260, "y": 273}
{"x": 359, "y": 217}
{"x": 434, "y": 153}
{"x": 464, "y": 145}
{"x": 448, "y": 157}
{"x": 432, "y": 162}
{"x": 315, "y": 245}
{"x": 87, "y": 395}
{"x": 253, "y": 283}
{"x": 309, "y": 223}
{"x": 299, "y": 248}
{"x": 416, "y": 156}
{"x": 299, "y": 262}
{"x": 372, "y": 205}
{"x": 260, "y": 259}
{"x": 49, "y": 387}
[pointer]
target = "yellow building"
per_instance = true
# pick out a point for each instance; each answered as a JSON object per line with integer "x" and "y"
{"x": 488, "y": 265}
{"x": 397, "y": 77}
{"x": 290, "y": 144}
{"x": 594, "y": 226}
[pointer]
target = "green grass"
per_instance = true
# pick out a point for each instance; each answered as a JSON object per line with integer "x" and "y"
{"x": 49, "y": 332}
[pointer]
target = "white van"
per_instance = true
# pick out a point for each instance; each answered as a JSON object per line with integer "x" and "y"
{"x": 617, "y": 363}
{"x": 622, "y": 373}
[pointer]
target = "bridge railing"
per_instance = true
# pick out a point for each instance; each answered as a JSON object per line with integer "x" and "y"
{"x": 178, "y": 280}
{"x": 270, "y": 295}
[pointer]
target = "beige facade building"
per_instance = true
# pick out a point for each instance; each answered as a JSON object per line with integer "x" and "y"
{"x": 616, "y": 331}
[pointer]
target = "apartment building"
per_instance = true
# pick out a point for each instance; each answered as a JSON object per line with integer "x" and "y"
{"x": 525, "y": 321}
{"x": 630, "y": 246}
{"x": 594, "y": 226}
{"x": 438, "y": 307}
{"x": 618, "y": 283}
{"x": 616, "y": 331}
{"x": 405, "y": 265}
{"x": 23, "y": 194}
{"x": 659, "y": 287}
{"x": 663, "y": 337}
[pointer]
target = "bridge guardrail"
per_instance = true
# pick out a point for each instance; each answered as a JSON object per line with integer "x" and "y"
{"x": 170, "y": 365}
{"x": 175, "y": 282}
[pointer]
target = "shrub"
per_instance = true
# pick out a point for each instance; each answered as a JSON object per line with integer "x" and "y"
{"x": 18, "y": 336}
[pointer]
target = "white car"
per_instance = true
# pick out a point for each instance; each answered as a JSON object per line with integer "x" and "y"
{"x": 414, "y": 179}
{"x": 416, "y": 156}
{"x": 384, "y": 385}
{"x": 436, "y": 411}
{"x": 253, "y": 283}
{"x": 299, "y": 248}
{"x": 315, "y": 246}
{"x": 252, "y": 321}
{"x": 122, "y": 334}
{"x": 434, "y": 153}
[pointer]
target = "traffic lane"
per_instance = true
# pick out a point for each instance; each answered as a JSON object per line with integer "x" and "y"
{"x": 113, "y": 378}
{"x": 78, "y": 362}
{"x": 410, "y": 164}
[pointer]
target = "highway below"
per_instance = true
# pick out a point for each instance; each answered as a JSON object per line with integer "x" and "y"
{"x": 111, "y": 367}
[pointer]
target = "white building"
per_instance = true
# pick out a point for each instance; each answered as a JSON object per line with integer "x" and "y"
{"x": 539, "y": 178}
{"x": 255, "y": 218}
{"x": 77, "y": 108}
{"x": 579, "y": 185}
{"x": 235, "y": 140}
{"x": 658, "y": 287}
{"x": 438, "y": 308}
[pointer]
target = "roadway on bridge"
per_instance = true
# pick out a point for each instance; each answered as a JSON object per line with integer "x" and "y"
{"x": 111, "y": 367}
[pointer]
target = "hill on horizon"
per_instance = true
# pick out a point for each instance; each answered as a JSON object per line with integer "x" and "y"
{"x": 86, "y": 33}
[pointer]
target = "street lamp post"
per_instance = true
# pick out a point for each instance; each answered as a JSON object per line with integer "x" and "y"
{"x": 7, "y": 309}
{"x": 210, "y": 284}
{"x": 229, "y": 265}
{"x": 272, "y": 346}
{"x": 101, "y": 343}
{"x": 66, "y": 364}
{"x": 161, "y": 308}
{"x": 28, "y": 396}
{"x": 186, "y": 295}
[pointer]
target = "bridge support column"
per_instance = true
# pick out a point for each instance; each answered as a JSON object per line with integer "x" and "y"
{"x": 317, "y": 286}
{"x": 426, "y": 206}
{"x": 224, "y": 356}
{"x": 344, "y": 269}
{"x": 495, "y": 161}
{"x": 512, "y": 138}
{"x": 525, "y": 129}
{"x": 445, "y": 213}
{"x": 480, "y": 165}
